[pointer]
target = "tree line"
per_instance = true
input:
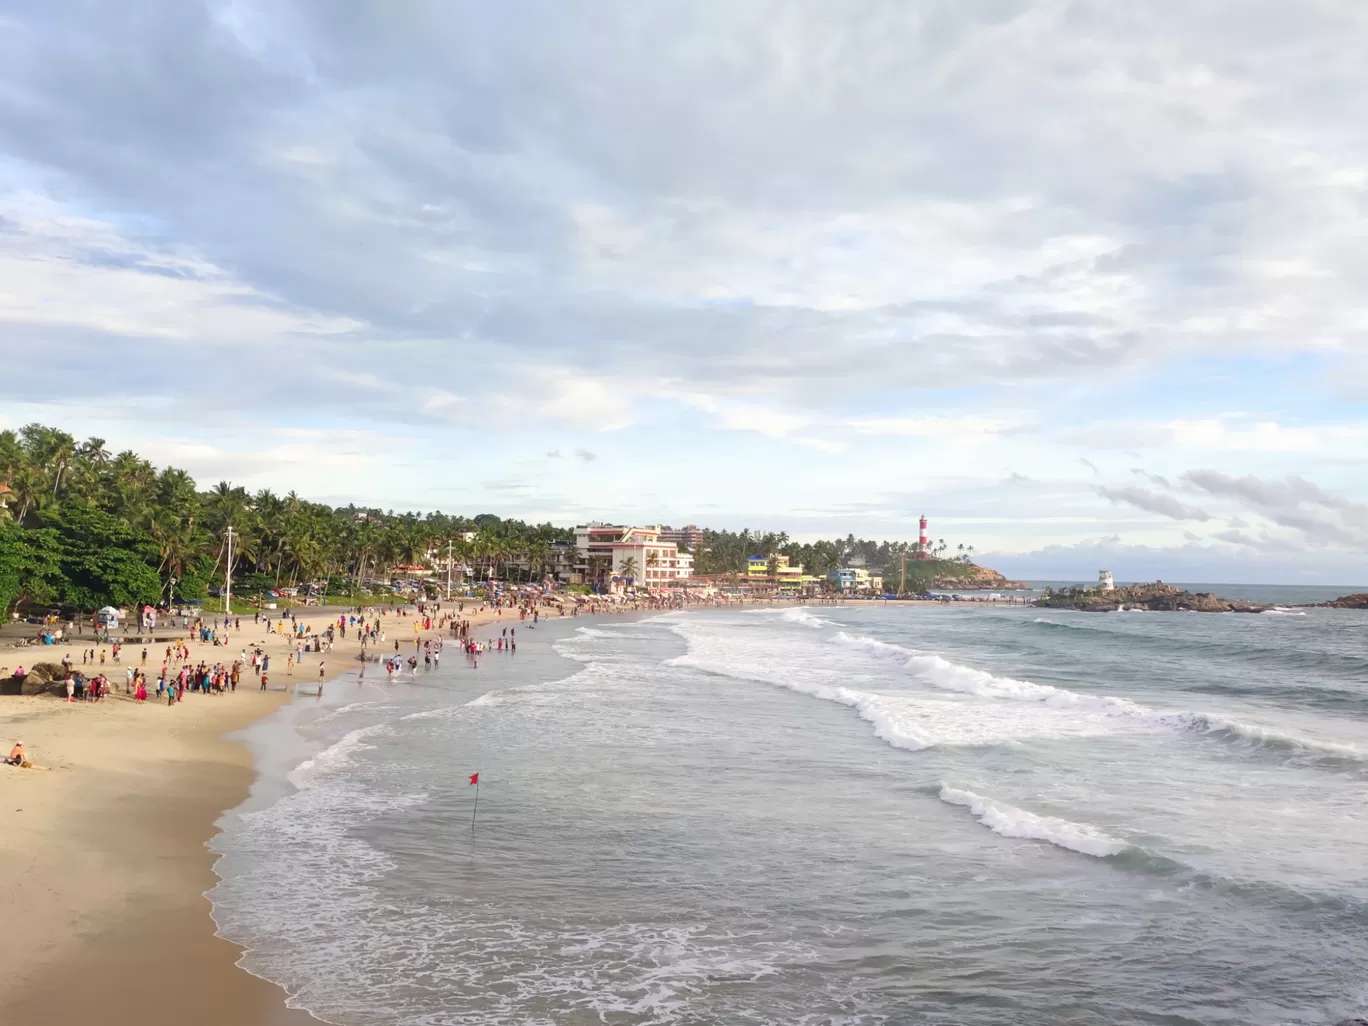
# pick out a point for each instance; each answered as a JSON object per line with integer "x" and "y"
{"x": 81, "y": 527}
{"x": 727, "y": 552}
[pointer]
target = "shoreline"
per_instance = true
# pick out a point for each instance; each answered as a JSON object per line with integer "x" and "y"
{"x": 105, "y": 861}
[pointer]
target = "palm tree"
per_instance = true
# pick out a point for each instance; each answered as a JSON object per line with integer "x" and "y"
{"x": 93, "y": 451}
{"x": 628, "y": 569}
{"x": 30, "y": 489}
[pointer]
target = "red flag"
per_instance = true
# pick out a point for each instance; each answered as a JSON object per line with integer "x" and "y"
{"x": 474, "y": 779}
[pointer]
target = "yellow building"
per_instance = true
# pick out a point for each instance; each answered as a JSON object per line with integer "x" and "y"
{"x": 758, "y": 567}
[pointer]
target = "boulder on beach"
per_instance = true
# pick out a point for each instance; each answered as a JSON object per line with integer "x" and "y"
{"x": 39, "y": 679}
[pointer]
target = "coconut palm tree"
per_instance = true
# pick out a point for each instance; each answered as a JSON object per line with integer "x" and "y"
{"x": 628, "y": 569}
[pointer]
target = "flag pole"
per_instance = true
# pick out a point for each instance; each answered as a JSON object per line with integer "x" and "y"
{"x": 475, "y": 779}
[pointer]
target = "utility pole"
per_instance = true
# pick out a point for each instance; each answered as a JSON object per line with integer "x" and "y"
{"x": 228, "y": 575}
{"x": 902, "y": 574}
{"x": 448, "y": 570}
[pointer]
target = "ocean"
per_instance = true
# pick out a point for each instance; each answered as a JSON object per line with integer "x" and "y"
{"x": 825, "y": 816}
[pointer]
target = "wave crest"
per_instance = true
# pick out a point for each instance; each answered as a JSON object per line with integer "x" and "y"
{"x": 1009, "y": 821}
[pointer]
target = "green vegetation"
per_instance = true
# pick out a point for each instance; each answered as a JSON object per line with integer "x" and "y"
{"x": 726, "y": 552}
{"x": 81, "y": 528}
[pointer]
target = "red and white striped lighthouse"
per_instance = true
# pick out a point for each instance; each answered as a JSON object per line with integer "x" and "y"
{"x": 923, "y": 542}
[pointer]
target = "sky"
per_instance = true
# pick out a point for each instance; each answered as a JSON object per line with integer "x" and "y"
{"x": 1084, "y": 282}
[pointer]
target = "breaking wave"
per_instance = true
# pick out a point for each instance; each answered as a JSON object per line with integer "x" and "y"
{"x": 803, "y": 616}
{"x": 942, "y": 673}
{"x": 1255, "y": 736}
{"x": 1010, "y": 821}
{"x": 334, "y": 756}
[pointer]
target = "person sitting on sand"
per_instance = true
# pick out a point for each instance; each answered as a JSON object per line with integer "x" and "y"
{"x": 18, "y": 757}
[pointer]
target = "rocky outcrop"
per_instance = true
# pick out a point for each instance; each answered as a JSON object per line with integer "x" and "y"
{"x": 1359, "y": 601}
{"x": 1158, "y": 597}
{"x": 978, "y": 578}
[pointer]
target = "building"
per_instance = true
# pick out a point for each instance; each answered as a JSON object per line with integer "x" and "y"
{"x": 854, "y": 579}
{"x": 653, "y": 563}
{"x": 606, "y": 550}
{"x": 784, "y": 573}
{"x": 560, "y": 561}
{"x": 594, "y": 549}
{"x": 691, "y": 537}
{"x": 1105, "y": 581}
{"x": 557, "y": 563}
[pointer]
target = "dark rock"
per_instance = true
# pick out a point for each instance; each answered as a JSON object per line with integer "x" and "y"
{"x": 1157, "y": 596}
{"x": 1359, "y": 601}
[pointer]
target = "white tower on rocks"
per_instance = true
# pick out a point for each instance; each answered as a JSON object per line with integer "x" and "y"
{"x": 1105, "y": 581}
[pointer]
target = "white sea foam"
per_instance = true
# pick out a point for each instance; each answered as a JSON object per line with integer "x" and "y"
{"x": 343, "y": 710}
{"x": 909, "y": 719}
{"x": 942, "y": 673}
{"x": 802, "y": 615}
{"x": 1283, "y": 611}
{"x": 595, "y": 632}
{"x": 1016, "y": 710}
{"x": 1010, "y": 821}
{"x": 334, "y": 756}
{"x": 1260, "y": 736}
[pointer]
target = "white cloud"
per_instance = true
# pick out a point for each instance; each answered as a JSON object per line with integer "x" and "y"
{"x": 1264, "y": 436}
{"x": 949, "y": 242}
{"x": 941, "y": 428}
{"x": 61, "y": 269}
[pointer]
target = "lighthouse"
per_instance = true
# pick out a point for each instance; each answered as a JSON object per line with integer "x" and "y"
{"x": 923, "y": 541}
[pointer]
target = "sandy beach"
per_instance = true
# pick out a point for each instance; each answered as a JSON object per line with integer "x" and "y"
{"x": 103, "y": 864}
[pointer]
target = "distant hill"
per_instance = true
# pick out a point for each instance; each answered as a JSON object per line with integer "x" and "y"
{"x": 948, "y": 574}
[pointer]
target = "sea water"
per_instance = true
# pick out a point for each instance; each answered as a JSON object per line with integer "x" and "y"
{"x": 825, "y": 815}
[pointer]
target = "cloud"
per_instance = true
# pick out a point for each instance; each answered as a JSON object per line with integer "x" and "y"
{"x": 941, "y": 428}
{"x": 585, "y": 456}
{"x": 756, "y": 236}
{"x": 1153, "y": 502}
{"x": 1192, "y": 562}
{"x": 554, "y": 454}
{"x": 1263, "y": 436}
{"x": 1158, "y": 479}
{"x": 638, "y": 199}
{"x": 1322, "y": 517}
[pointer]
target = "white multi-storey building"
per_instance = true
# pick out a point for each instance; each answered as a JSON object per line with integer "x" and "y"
{"x": 630, "y": 552}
